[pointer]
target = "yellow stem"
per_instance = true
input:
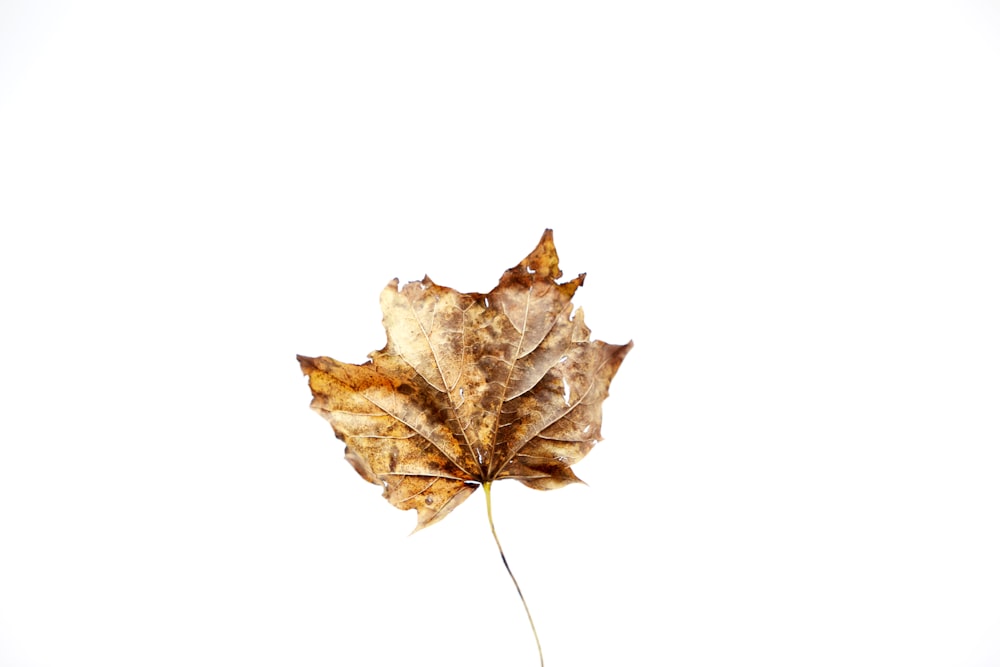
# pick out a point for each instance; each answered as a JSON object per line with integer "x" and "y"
{"x": 489, "y": 513}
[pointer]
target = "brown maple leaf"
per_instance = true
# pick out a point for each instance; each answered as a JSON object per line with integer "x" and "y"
{"x": 471, "y": 388}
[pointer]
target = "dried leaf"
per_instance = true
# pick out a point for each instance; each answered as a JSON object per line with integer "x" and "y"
{"x": 471, "y": 388}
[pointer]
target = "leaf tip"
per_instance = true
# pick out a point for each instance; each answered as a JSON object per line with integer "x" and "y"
{"x": 305, "y": 363}
{"x": 543, "y": 260}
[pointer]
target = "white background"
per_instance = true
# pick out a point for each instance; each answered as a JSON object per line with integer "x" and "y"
{"x": 792, "y": 209}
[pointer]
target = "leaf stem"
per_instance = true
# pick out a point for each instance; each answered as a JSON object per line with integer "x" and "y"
{"x": 489, "y": 513}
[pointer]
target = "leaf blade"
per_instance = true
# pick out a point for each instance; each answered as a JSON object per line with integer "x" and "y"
{"x": 471, "y": 388}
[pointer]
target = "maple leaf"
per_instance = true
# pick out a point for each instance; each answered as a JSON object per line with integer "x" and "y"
{"x": 471, "y": 388}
